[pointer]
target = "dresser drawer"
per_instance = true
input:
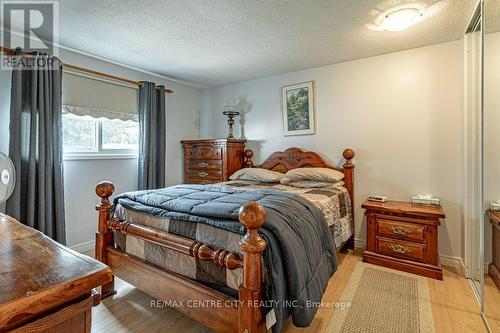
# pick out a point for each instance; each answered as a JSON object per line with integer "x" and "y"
{"x": 401, "y": 249}
{"x": 203, "y": 152}
{"x": 205, "y": 165}
{"x": 204, "y": 176}
{"x": 401, "y": 230}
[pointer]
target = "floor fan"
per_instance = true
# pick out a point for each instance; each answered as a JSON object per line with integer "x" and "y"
{"x": 7, "y": 177}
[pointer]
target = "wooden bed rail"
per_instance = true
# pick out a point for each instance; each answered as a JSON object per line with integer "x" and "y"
{"x": 186, "y": 246}
{"x": 251, "y": 215}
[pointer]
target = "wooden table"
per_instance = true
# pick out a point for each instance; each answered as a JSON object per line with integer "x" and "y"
{"x": 494, "y": 266}
{"x": 44, "y": 286}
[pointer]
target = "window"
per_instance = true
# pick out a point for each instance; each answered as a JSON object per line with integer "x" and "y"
{"x": 119, "y": 135}
{"x": 100, "y": 118}
{"x": 85, "y": 136}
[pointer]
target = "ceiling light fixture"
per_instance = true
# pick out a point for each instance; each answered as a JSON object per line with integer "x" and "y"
{"x": 400, "y": 19}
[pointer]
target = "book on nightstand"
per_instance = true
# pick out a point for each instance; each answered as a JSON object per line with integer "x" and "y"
{"x": 425, "y": 199}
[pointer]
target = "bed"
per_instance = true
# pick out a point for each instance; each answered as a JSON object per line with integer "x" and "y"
{"x": 211, "y": 250}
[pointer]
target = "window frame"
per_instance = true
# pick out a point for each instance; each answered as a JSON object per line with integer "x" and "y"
{"x": 100, "y": 153}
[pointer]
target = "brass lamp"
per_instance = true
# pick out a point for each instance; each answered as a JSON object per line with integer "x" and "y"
{"x": 230, "y": 112}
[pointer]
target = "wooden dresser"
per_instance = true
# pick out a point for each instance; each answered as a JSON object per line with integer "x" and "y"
{"x": 494, "y": 266}
{"x": 44, "y": 286}
{"x": 403, "y": 236}
{"x": 209, "y": 161}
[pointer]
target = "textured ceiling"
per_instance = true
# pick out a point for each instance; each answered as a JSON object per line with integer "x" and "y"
{"x": 492, "y": 16}
{"x": 221, "y": 41}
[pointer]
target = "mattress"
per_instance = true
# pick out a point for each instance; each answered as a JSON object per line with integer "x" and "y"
{"x": 333, "y": 201}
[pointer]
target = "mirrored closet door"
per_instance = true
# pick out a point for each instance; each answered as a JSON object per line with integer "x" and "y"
{"x": 473, "y": 136}
{"x": 491, "y": 162}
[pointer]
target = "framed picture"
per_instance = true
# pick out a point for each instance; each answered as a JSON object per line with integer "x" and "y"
{"x": 298, "y": 109}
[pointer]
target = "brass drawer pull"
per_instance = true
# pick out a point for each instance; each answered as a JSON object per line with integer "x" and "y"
{"x": 203, "y": 174}
{"x": 203, "y": 164}
{"x": 399, "y": 248}
{"x": 400, "y": 231}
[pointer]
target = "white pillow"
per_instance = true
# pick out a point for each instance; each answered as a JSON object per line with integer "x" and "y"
{"x": 257, "y": 174}
{"x": 318, "y": 174}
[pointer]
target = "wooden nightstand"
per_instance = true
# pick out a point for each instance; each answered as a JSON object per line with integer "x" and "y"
{"x": 403, "y": 236}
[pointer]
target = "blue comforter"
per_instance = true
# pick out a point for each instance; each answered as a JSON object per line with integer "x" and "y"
{"x": 301, "y": 255}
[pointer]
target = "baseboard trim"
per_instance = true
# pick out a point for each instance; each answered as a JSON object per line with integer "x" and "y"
{"x": 84, "y": 247}
{"x": 359, "y": 243}
{"x": 452, "y": 261}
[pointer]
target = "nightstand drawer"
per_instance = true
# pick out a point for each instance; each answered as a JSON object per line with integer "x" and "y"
{"x": 401, "y": 249}
{"x": 205, "y": 165}
{"x": 401, "y": 230}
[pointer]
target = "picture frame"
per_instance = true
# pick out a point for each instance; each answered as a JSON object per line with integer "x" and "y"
{"x": 298, "y": 109}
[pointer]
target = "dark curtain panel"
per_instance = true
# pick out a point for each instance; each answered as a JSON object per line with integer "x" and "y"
{"x": 152, "y": 136}
{"x": 36, "y": 146}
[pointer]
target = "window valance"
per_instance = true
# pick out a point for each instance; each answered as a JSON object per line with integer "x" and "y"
{"x": 83, "y": 95}
{"x": 96, "y": 113}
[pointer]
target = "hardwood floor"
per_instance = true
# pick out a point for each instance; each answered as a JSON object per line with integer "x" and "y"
{"x": 131, "y": 311}
{"x": 454, "y": 307}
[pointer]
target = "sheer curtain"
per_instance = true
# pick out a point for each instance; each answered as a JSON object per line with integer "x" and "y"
{"x": 152, "y": 141}
{"x": 35, "y": 147}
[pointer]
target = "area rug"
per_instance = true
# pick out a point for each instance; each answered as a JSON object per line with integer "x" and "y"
{"x": 382, "y": 300}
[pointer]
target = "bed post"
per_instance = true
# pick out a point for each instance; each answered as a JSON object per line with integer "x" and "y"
{"x": 349, "y": 184}
{"x": 104, "y": 236}
{"x": 248, "y": 158}
{"x": 250, "y": 317}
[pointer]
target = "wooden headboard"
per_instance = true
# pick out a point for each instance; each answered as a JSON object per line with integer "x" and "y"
{"x": 293, "y": 158}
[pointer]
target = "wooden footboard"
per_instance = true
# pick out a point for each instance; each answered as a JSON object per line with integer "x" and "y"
{"x": 241, "y": 316}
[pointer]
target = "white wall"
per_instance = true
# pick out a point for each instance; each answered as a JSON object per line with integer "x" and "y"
{"x": 183, "y": 113}
{"x": 400, "y": 112}
{"x": 80, "y": 178}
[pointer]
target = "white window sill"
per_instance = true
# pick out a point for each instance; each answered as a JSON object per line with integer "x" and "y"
{"x": 76, "y": 157}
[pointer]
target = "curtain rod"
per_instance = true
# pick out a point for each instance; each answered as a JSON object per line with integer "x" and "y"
{"x": 89, "y": 71}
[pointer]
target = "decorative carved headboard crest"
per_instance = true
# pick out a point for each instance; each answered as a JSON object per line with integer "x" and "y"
{"x": 293, "y": 158}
